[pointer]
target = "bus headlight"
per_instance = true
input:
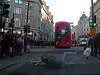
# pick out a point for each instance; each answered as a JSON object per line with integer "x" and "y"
{"x": 57, "y": 42}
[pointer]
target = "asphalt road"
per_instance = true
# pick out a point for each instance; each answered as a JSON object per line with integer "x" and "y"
{"x": 78, "y": 69}
{"x": 76, "y": 64}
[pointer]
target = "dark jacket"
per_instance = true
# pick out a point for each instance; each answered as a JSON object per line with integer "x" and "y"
{"x": 90, "y": 42}
{"x": 98, "y": 40}
{"x": 95, "y": 41}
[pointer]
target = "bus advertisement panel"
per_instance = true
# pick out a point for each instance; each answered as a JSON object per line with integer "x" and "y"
{"x": 62, "y": 35}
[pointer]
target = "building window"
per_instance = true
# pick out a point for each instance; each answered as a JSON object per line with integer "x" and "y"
{"x": 20, "y": 11}
{"x": 16, "y": 1}
{"x": 84, "y": 29}
{"x": 17, "y": 22}
{"x": 17, "y": 10}
{"x": 87, "y": 29}
{"x": 26, "y": 3}
{"x": 7, "y": 0}
{"x": 26, "y": 12}
{"x": 20, "y": 1}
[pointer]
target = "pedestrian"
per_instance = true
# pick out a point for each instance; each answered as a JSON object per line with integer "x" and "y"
{"x": 94, "y": 46}
{"x": 89, "y": 43}
{"x": 3, "y": 47}
{"x": 8, "y": 43}
{"x": 20, "y": 44}
{"x": 0, "y": 47}
{"x": 98, "y": 44}
{"x": 28, "y": 45}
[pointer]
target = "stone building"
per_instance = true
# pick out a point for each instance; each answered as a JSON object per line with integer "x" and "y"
{"x": 34, "y": 13}
{"x": 82, "y": 28}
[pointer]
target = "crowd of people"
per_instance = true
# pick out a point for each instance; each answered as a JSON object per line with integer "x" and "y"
{"x": 12, "y": 45}
{"x": 16, "y": 44}
{"x": 94, "y": 44}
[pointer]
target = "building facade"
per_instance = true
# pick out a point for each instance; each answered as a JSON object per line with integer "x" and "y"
{"x": 34, "y": 13}
{"x": 46, "y": 22}
{"x": 82, "y": 29}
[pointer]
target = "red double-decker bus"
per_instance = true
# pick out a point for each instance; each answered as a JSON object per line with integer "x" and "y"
{"x": 62, "y": 35}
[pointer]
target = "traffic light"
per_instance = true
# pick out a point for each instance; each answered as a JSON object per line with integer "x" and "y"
{"x": 90, "y": 22}
{"x": 25, "y": 28}
{"x": 6, "y": 9}
{"x": 28, "y": 29}
{"x": 1, "y": 7}
{"x": 94, "y": 21}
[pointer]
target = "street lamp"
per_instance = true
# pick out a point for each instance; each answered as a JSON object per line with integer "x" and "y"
{"x": 27, "y": 12}
{"x": 92, "y": 11}
{"x": 26, "y": 26}
{"x": 12, "y": 24}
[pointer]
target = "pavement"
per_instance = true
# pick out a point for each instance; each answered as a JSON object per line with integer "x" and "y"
{"x": 9, "y": 61}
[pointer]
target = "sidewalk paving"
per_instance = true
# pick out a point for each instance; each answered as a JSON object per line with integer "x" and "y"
{"x": 5, "y": 64}
{"x": 9, "y": 61}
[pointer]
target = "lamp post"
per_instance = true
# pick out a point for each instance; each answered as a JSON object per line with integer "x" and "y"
{"x": 0, "y": 21}
{"x": 27, "y": 13}
{"x": 26, "y": 27}
{"x": 27, "y": 17}
{"x": 92, "y": 9}
{"x": 12, "y": 23}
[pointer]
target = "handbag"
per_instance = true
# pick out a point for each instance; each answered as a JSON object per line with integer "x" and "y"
{"x": 87, "y": 51}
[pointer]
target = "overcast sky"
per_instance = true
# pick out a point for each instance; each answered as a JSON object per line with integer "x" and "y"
{"x": 68, "y": 10}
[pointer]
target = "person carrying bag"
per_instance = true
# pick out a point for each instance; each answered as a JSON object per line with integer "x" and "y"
{"x": 88, "y": 48}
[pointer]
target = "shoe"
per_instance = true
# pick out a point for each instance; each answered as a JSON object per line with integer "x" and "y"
{"x": 93, "y": 55}
{"x": 87, "y": 58}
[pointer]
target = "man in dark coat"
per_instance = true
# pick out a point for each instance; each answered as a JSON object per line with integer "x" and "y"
{"x": 94, "y": 47}
{"x": 90, "y": 42}
{"x": 98, "y": 44}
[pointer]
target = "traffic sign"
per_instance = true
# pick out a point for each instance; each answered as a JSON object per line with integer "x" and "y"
{"x": 93, "y": 31}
